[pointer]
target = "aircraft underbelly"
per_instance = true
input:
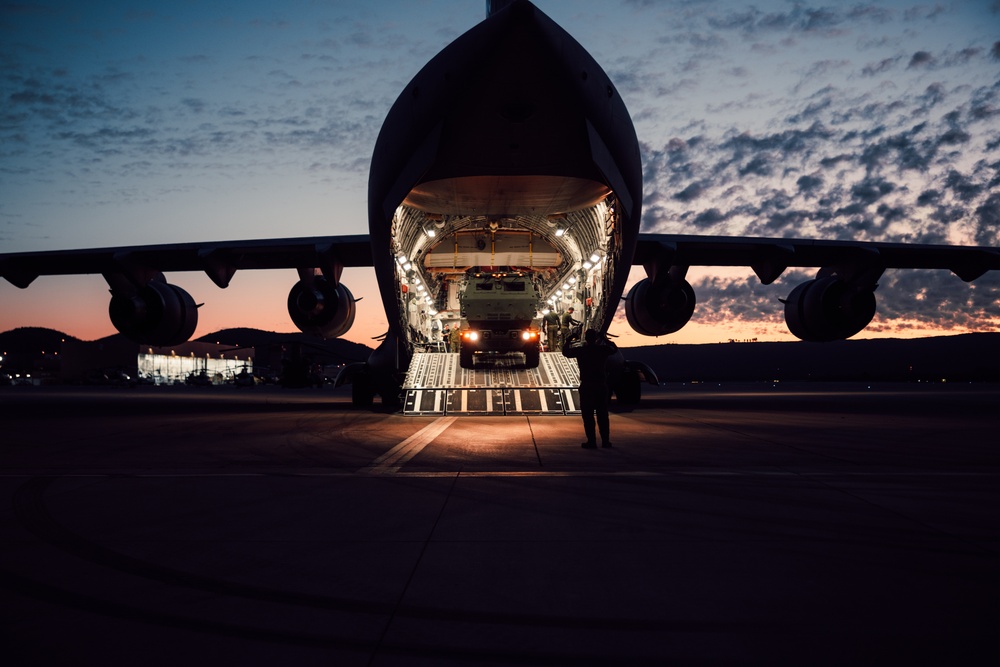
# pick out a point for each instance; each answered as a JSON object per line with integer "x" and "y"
{"x": 506, "y": 195}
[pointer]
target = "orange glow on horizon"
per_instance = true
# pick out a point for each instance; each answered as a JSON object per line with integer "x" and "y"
{"x": 78, "y": 306}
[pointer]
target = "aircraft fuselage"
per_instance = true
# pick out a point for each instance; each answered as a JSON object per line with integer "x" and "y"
{"x": 511, "y": 149}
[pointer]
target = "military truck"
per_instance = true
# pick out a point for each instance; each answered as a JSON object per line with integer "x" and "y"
{"x": 498, "y": 318}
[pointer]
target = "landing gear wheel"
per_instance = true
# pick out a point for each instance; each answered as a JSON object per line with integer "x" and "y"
{"x": 629, "y": 388}
{"x": 362, "y": 394}
{"x": 391, "y": 396}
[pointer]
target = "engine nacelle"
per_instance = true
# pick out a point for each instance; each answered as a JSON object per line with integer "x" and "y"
{"x": 319, "y": 309}
{"x": 828, "y": 309}
{"x": 659, "y": 311}
{"x": 157, "y": 314}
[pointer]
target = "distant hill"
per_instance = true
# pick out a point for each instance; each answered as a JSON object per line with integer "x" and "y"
{"x": 31, "y": 339}
{"x": 962, "y": 357}
{"x": 33, "y": 349}
{"x": 343, "y": 350}
{"x": 28, "y": 349}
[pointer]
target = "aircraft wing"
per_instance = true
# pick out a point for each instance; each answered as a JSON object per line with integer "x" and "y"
{"x": 220, "y": 260}
{"x": 769, "y": 257}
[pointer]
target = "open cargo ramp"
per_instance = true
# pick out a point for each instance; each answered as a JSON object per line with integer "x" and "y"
{"x": 437, "y": 384}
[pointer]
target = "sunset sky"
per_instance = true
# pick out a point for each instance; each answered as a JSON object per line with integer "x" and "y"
{"x": 127, "y": 123}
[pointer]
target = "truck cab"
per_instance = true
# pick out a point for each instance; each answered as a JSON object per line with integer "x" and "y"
{"x": 499, "y": 311}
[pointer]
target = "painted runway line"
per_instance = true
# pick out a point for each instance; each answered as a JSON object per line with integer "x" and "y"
{"x": 390, "y": 462}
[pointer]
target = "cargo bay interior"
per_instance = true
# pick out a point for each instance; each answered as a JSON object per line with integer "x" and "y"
{"x": 565, "y": 253}
{"x": 566, "y": 246}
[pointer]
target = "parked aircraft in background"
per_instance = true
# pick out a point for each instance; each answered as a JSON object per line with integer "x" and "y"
{"x": 511, "y": 150}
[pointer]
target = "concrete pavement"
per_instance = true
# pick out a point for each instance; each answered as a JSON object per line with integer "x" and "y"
{"x": 750, "y": 524}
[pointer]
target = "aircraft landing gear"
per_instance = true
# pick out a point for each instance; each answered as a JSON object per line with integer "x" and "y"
{"x": 628, "y": 389}
{"x": 364, "y": 389}
{"x": 362, "y": 393}
{"x": 390, "y": 392}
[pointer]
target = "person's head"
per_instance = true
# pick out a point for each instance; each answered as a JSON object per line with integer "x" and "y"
{"x": 570, "y": 309}
{"x": 590, "y": 335}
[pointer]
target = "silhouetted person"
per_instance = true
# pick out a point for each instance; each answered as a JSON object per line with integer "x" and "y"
{"x": 591, "y": 357}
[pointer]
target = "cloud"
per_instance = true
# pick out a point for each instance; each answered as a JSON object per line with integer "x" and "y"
{"x": 758, "y": 165}
{"x": 920, "y": 59}
{"x": 194, "y": 104}
{"x": 690, "y": 193}
{"x": 109, "y": 140}
{"x": 873, "y": 14}
{"x": 962, "y": 57}
{"x": 933, "y": 95}
{"x": 833, "y": 160}
{"x": 782, "y": 222}
{"x": 882, "y": 66}
{"x": 825, "y": 21}
{"x": 938, "y": 298}
{"x": 962, "y": 186}
{"x": 904, "y": 298}
{"x": 842, "y": 179}
{"x": 988, "y": 221}
{"x": 929, "y": 197}
{"x": 708, "y": 218}
{"x": 953, "y": 136}
{"x": 870, "y": 190}
{"x": 809, "y": 183}
{"x": 48, "y": 99}
{"x": 741, "y": 300}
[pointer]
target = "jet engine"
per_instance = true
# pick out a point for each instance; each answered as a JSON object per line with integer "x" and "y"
{"x": 659, "y": 310}
{"x": 829, "y": 308}
{"x": 318, "y": 308}
{"x": 156, "y": 314}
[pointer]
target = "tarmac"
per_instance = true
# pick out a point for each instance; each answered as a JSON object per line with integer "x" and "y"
{"x": 761, "y": 524}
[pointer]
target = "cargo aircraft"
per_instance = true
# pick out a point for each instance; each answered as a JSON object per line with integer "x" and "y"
{"x": 510, "y": 150}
